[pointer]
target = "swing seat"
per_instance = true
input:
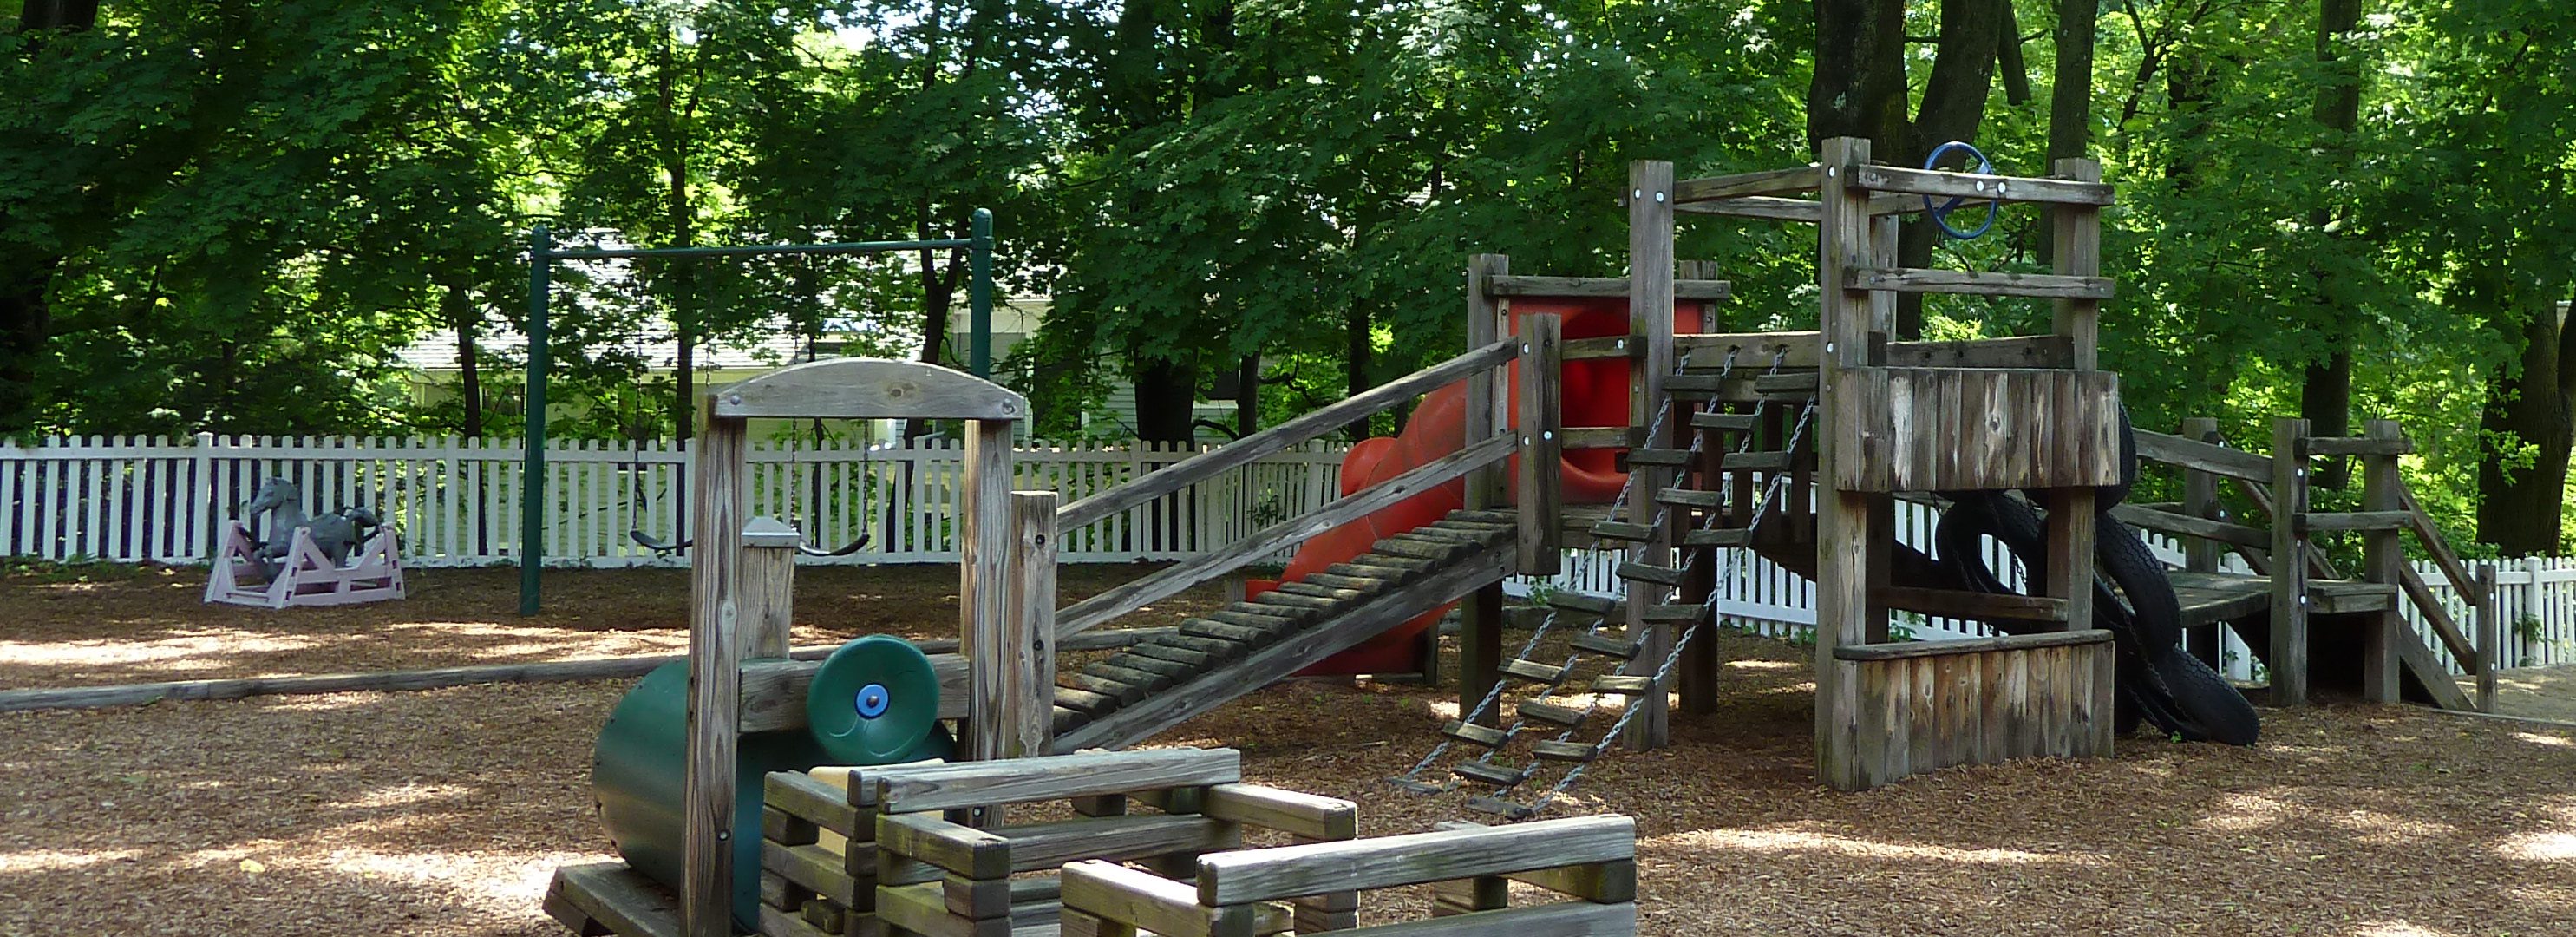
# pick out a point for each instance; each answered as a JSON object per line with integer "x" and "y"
{"x": 659, "y": 546}
{"x": 854, "y": 546}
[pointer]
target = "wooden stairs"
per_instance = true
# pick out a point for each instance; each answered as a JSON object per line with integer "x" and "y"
{"x": 1211, "y": 659}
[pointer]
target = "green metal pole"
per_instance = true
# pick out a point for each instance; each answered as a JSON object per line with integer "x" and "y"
{"x": 532, "y": 498}
{"x": 979, "y": 297}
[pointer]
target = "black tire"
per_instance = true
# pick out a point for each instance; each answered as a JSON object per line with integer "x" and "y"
{"x": 2210, "y": 707}
{"x": 2155, "y": 613}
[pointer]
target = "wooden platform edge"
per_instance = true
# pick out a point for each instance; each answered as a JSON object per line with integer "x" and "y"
{"x": 598, "y": 898}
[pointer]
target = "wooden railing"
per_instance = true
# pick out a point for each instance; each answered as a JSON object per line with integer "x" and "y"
{"x": 2277, "y": 486}
{"x": 1484, "y": 451}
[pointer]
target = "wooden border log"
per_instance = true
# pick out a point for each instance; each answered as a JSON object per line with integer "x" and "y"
{"x": 1939, "y": 184}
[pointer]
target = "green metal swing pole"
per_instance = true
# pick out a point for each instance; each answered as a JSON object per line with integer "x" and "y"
{"x": 979, "y": 297}
{"x": 532, "y": 481}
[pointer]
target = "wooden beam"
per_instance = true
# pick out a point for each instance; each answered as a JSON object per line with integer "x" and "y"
{"x": 1542, "y": 441}
{"x": 1650, "y": 328}
{"x": 841, "y": 388}
{"x": 2490, "y": 637}
{"x": 2453, "y": 571}
{"x": 1278, "y": 438}
{"x": 2023, "y": 351}
{"x": 1024, "y": 658}
{"x": 1978, "y": 283}
{"x": 2439, "y": 617}
{"x": 937, "y": 787}
{"x": 1939, "y": 184}
{"x": 1757, "y": 206}
{"x": 2383, "y": 559}
{"x": 1766, "y": 182}
{"x": 986, "y": 540}
{"x": 2077, "y": 230}
{"x": 2288, "y": 662}
{"x": 2187, "y": 526}
{"x": 1599, "y": 287}
{"x": 768, "y": 602}
{"x": 2200, "y": 456}
{"x": 1417, "y": 859}
{"x": 2360, "y": 445}
{"x": 715, "y": 677}
{"x": 1136, "y": 899}
{"x": 2318, "y": 522}
{"x": 1980, "y": 606}
{"x": 1843, "y": 519}
{"x": 1107, "y": 605}
{"x": 1906, "y": 650}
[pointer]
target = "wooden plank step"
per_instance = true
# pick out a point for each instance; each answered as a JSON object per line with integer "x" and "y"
{"x": 1620, "y": 648}
{"x": 1682, "y": 613}
{"x": 1690, "y": 498}
{"x": 1723, "y": 422}
{"x": 1551, "y": 713}
{"x": 1124, "y": 693}
{"x": 1433, "y": 551}
{"x": 1084, "y": 701}
{"x": 1438, "y": 534}
{"x": 1355, "y": 583}
{"x": 1472, "y": 733}
{"x": 1479, "y": 532}
{"x": 1257, "y": 628}
{"x": 1755, "y": 462}
{"x": 1392, "y": 575}
{"x": 1624, "y": 684}
{"x": 1063, "y": 720}
{"x": 1674, "y": 458}
{"x": 1553, "y": 750}
{"x": 1224, "y": 631}
{"x": 1204, "y": 645}
{"x": 1376, "y": 557}
{"x": 1718, "y": 537}
{"x": 1581, "y": 602}
{"x": 1798, "y": 382}
{"x": 1648, "y": 572}
{"x": 1287, "y": 617}
{"x": 1483, "y": 773}
{"x": 1622, "y": 530}
{"x": 1321, "y": 591}
{"x": 1293, "y": 600}
{"x": 1186, "y": 657}
{"x": 1532, "y": 671}
{"x": 1697, "y": 383}
{"x": 1135, "y": 672}
{"x": 1506, "y": 518}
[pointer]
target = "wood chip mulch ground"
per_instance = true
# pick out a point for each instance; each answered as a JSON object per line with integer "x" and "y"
{"x": 443, "y": 812}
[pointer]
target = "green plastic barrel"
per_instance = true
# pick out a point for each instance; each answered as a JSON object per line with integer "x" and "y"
{"x": 639, "y": 768}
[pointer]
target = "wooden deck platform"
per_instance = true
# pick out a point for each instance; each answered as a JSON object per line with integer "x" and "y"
{"x": 2216, "y": 597}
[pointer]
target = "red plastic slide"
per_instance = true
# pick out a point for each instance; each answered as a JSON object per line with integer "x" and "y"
{"x": 1595, "y": 394}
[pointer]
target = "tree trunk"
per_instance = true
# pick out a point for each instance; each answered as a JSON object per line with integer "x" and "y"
{"x": 27, "y": 284}
{"x": 1859, "y": 86}
{"x": 1166, "y": 394}
{"x": 458, "y": 306}
{"x": 1359, "y": 346}
{"x": 1954, "y": 104}
{"x": 683, "y": 224}
{"x": 2008, "y": 57}
{"x": 1247, "y": 396}
{"x": 2325, "y": 395}
{"x": 2518, "y": 506}
{"x": 2070, "y": 97}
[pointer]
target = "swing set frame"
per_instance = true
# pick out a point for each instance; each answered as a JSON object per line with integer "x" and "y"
{"x": 542, "y": 257}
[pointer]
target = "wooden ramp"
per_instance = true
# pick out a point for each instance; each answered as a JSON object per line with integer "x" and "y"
{"x": 1248, "y": 645}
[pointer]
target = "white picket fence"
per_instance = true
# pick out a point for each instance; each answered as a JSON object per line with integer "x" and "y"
{"x": 2536, "y": 596}
{"x": 457, "y": 501}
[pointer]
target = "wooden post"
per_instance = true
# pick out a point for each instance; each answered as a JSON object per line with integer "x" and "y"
{"x": 1650, "y": 333}
{"x": 2200, "y": 554}
{"x": 1696, "y": 676}
{"x": 985, "y": 542}
{"x": 1843, "y": 521}
{"x": 1880, "y": 570}
{"x": 2078, "y": 241}
{"x": 2383, "y": 559}
{"x": 2289, "y": 657}
{"x": 1542, "y": 476}
{"x": 1023, "y": 661}
{"x": 768, "y": 604}
{"x": 715, "y": 679}
{"x": 1480, "y": 613}
{"x": 2490, "y": 637}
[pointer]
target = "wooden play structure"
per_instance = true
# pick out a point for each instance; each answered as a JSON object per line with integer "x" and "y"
{"x": 305, "y": 575}
{"x": 1713, "y": 446}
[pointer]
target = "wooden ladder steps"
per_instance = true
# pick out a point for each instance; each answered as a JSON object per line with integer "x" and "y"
{"x": 1119, "y": 693}
{"x": 1755, "y": 462}
{"x": 1718, "y": 537}
{"x": 1564, "y": 751}
{"x": 1357, "y": 583}
{"x": 1801, "y": 384}
{"x": 1138, "y": 672}
{"x": 1322, "y": 591}
{"x": 1085, "y": 701}
{"x": 1186, "y": 656}
{"x": 1225, "y": 631}
{"x": 1723, "y": 422}
{"x": 1499, "y": 518}
{"x": 1620, "y": 648}
{"x": 1475, "y": 734}
{"x": 1625, "y": 684}
{"x": 1356, "y": 569}
{"x": 1533, "y": 671}
{"x": 1483, "y": 773}
{"x": 1679, "y": 614}
{"x": 1648, "y": 572}
{"x": 1691, "y": 497}
{"x": 1674, "y": 458}
{"x": 1551, "y": 713}
{"x": 1583, "y": 603}
{"x": 1623, "y": 530}
{"x": 1475, "y": 531}
{"x": 1431, "y": 550}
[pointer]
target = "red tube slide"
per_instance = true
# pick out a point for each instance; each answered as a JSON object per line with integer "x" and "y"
{"x": 1595, "y": 394}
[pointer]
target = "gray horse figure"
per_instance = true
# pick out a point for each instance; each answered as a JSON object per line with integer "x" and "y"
{"x": 335, "y": 534}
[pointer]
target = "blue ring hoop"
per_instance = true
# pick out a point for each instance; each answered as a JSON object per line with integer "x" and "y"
{"x": 873, "y": 700}
{"x": 1941, "y": 213}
